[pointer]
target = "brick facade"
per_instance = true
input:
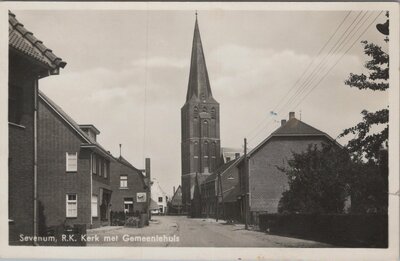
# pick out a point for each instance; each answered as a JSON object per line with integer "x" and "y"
{"x": 57, "y": 135}
{"x": 135, "y": 184}
{"x": 200, "y": 124}
{"x": 21, "y": 150}
{"x": 267, "y": 182}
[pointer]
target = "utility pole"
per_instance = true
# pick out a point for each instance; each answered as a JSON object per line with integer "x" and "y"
{"x": 246, "y": 175}
{"x": 216, "y": 202}
{"x": 222, "y": 196}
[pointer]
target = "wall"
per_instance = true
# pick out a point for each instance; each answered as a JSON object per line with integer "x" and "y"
{"x": 21, "y": 155}
{"x": 267, "y": 182}
{"x": 55, "y": 138}
{"x": 135, "y": 185}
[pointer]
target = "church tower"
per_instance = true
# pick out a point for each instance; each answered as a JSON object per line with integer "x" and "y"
{"x": 200, "y": 145}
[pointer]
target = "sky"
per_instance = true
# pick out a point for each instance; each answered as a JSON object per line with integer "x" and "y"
{"x": 127, "y": 74}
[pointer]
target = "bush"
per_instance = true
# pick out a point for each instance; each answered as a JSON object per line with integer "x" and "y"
{"x": 346, "y": 230}
{"x": 132, "y": 222}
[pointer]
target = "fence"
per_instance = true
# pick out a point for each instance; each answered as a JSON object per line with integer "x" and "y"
{"x": 345, "y": 230}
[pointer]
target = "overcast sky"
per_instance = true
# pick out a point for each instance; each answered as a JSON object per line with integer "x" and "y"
{"x": 253, "y": 59}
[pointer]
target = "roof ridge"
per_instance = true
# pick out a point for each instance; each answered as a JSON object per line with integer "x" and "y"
{"x": 71, "y": 121}
{"x": 38, "y": 44}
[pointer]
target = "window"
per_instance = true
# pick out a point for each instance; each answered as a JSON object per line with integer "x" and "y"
{"x": 196, "y": 127}
{"x": 196, "y": 149}
{"x": 213, "y": 113}
{"x": 94, "y": 164}
{"x": 105, "y": 169}
{"x": 160, "y": 199}
{"x": 128, "y": 205}
{"x": 123, "y": 181}
{"x": 94, "y": 206}
{"x": 205, "y": 129}
{"x": 71, "y": 205}
{"x": 71, "y": 162}
{"x": 98, "y": 166}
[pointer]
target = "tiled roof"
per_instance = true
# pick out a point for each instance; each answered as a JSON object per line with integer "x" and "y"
{"x": 297, "y": 127}
{"x": 25, "y": 42}
{"x": 220, "y": 170}
{"x": 294, "y": 128}
{"x": 177, "y": 197}
{"x": 72, "y": 123}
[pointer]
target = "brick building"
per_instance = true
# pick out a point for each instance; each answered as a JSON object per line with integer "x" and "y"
{"x": 264, "y": 182}
{"x": 73, "y": 170}
{"x": 130, "y": 190}
{"x": 200, "y": 146}
{"x": 213, "y": 191}
{"x": 29, "y": 61}
{"x": 175, "y": 205}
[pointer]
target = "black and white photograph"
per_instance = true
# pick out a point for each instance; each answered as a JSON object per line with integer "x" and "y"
{"x": 200, "y": 126}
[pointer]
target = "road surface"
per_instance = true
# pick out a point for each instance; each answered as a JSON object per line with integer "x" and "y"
{"x": 180, "y": 231}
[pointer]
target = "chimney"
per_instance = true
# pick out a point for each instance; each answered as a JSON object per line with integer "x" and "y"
{"x": 174, "y": 190}
{"x": 147, "y": 169}
{"x": 283, "y": 122}
{"x": 291, "y": 115}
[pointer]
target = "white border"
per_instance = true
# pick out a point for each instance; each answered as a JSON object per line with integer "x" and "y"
{"x": 392, "y": 253}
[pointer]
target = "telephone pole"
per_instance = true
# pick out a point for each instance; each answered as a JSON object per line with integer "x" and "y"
{"x": 246, "y": 183}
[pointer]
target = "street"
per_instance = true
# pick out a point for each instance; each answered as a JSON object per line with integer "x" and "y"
{"x": 180, "y": 231}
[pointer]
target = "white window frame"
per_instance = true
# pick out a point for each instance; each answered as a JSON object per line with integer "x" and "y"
{"x": 94, "y": 206}
{"x": 69, "y": 202}
{"x": 68, "y": 159}
{"x": 125, "y": 181}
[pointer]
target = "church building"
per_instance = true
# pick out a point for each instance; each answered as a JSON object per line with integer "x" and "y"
{"x": 200, "y": 145}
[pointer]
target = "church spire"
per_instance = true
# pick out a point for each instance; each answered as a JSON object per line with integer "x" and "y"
{"x": 199, "y": 84}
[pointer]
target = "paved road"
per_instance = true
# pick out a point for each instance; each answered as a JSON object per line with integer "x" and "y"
{"x": 179, "y": 231}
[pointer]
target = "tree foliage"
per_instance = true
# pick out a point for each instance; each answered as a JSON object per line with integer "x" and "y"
{"x": 366, "y": 143}
{"x": 317, "y": 181}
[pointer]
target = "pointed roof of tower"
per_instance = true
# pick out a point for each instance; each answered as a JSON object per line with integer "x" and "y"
{"x": 199, "y": 84}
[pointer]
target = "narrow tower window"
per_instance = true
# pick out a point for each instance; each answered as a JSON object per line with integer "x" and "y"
{"x": 205, "y": 129}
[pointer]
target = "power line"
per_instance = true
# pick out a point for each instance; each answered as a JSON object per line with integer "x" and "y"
{"x": 338, "y": 49}
{"x": 337, "y": 61}
{"x": 348, "y": 49}
{"x": 307, "y": 68}
{"x": 322, "y": 63}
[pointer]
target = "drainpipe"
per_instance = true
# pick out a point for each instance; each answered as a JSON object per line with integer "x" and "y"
{"x": 148, "y": 176}
{"x": 91, "y": 188}
{"x": 35, "y": 118}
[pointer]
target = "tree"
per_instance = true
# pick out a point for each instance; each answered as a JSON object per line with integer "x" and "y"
{"x": 370, "y": 148}
{"x": 318, "y": 180}
{"x": 367, "y": 144}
